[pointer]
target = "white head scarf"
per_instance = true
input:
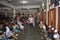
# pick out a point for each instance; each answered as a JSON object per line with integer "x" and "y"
{"x": 52, "y": 28}
{"x": 49, "y": 26}
{"x": 55, "y": 31}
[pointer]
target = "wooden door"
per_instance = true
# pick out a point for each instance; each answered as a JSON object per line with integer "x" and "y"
{"x": 44, "y": 17}
{"x": 51, "y": 17}
{"x": 59, "y": 19}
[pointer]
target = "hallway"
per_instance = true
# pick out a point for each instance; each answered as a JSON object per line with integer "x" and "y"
{"x": 14, "y": 14}
{"x": 32, "y": 34}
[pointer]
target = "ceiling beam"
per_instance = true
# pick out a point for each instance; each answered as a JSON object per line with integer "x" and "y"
{"x": 5, "y": 8}
{"x": 1, "y": 2}
{"x": 30, "y": 6}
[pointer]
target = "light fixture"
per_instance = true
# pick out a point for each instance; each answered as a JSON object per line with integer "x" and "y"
{"x": 24, "y": 2}
{"x": 28, "y": 8}
{"x": 9, "y": 0}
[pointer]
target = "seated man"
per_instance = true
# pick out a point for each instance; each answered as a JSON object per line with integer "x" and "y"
{"x": 56, "y": 35}
{"x": 9, "y": 33}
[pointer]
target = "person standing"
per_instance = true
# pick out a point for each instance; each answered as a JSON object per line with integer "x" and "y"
{"x": 31, "y": 21}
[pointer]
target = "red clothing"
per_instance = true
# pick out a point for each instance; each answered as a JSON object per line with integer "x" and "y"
{"x": 52, "y": 32}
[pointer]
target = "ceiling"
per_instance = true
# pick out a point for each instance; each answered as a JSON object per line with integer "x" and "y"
{"x": 17, "y": 3}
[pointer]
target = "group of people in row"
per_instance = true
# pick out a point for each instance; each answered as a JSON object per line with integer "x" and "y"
{"x": 50, "y": 32}
{"x": 13, "y": 27}
{"x": 10, "y": 29}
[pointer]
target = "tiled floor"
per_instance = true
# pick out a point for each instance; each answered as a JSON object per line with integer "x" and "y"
{"x": 32, "y": 34}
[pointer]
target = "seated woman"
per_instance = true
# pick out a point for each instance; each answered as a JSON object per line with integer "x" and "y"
{"x": 16, "y": 28}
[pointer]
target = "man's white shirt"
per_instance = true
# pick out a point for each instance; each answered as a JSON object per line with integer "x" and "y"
{"x": 8, "y": 32}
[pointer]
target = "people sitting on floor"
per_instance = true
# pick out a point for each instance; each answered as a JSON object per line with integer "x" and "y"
{"x": 51, "y": 33}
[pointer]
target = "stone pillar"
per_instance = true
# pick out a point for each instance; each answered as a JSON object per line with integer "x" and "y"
{"x": 57, "y": 18}
{"x": 14, "y": 13}
{"x": 21, "y": 13}
{"x": 47, "y": 9}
